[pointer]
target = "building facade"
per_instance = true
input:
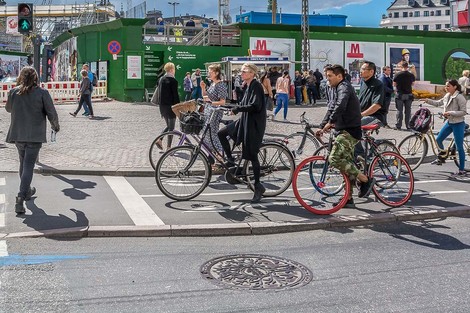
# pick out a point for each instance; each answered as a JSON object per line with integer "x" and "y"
{"x": 427, "y": 15}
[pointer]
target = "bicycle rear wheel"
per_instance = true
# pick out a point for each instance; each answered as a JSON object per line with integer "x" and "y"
{"x": 414, "y": 149}
{"x": 277, "y": 169}
{"x": 394, "y": 179}
{"x": 466, "y": 148}
{"x": 165, "y": 142}
{"x": 299, "y": 151}
{"x": 320, "y": 188}
{"x": 182, "y": 175}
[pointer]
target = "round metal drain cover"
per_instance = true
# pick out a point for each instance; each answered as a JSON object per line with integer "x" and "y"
{"x": 255, "y": 272}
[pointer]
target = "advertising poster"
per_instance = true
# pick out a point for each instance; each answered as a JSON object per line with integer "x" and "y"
{"x": 103, "y": 70}
{"x": 134, "y": 67}
{"x": 64, "y": 65}
{"x": 323, "y": 52}
{"x": 10, "y": 65}
{"x": 358, "y": 52}
{"x": 12, "y": 25}
{"x": 273, "y": 47}
{"x": 412, "y": 53}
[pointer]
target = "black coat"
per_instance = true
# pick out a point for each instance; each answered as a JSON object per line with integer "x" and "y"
{"x": 250, "y": 127}
{"x": 168, "y": 87}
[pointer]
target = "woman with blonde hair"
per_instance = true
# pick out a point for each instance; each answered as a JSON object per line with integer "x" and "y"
{"x": 29, "y": 106}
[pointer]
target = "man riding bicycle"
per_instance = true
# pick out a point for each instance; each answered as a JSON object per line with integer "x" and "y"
{"x": 346, "y": 120}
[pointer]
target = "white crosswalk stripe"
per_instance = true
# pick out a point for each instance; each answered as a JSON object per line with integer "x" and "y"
{"x": 139, "y": 211}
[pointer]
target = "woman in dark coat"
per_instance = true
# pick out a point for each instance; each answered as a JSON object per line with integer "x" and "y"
{"x": 29, "y": 106}
{"x": 168, "y": 88}
{"x": 250, "y": 127}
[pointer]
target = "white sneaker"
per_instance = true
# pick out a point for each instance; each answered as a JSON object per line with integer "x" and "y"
{"x": 286, "y": 120}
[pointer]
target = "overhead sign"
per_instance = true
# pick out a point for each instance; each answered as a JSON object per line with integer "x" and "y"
{"x": 114, "y": 47}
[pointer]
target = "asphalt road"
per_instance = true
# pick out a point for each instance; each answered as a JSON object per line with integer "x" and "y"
{"x": 400, "y": 267}
{"x": 65, "y": 201}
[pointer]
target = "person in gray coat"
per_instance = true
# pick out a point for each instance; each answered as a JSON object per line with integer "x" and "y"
{"x": 29, "y": 106}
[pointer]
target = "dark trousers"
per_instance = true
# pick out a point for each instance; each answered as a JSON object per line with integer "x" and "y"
{"x": 28, "y": 153}
{"x": 403, "y": 102}
{"x": 298, "y": 95}
{"x": 187, "y": 97}
{"x": 317, "y": 85}
{"x": 387, "y": 101}
{"x": 229, "y": 132}
{"x": 312, "y": 94}
{"x": 85, "y": 99}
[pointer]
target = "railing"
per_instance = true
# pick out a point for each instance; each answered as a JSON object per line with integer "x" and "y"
{"x": 213, "y": 35}
{"x": 60, "y": 91}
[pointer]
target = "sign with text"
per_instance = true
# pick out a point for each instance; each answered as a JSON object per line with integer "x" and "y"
{"x": 357, "y": 52}
{"x": 134, "y": 67}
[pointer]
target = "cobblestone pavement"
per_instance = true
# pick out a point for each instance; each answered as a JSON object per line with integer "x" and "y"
{"x": 118, "y": 138}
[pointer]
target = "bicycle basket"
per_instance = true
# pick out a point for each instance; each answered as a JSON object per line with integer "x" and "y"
{"x": 191, "y": 122}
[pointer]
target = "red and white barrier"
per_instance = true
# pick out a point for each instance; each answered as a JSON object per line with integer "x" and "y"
{"x": 60, "y": 91}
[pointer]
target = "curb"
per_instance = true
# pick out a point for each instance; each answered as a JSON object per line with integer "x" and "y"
{"x": 243, "y": 229}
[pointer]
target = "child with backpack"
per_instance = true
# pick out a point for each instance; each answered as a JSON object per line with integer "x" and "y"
{"x": 455, "y": 109}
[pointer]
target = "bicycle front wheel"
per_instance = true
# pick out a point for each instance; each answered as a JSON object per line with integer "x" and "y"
{"x": 301, "y": 151}
{"x": 466, "y": 149}
{"x": 165, "y": 142}
{"x": 394, "y": 179}
{"x": 277, "y": 169}
{"x": 181, "y": 174}
{"x": 320, "y": 188}
{"x": 414, "y": 149}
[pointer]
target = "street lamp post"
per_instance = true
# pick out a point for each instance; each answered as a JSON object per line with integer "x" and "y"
{"x": 174, "y": 4}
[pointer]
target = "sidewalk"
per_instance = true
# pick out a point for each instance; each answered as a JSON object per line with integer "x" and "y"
{"x": 117, "y": 141}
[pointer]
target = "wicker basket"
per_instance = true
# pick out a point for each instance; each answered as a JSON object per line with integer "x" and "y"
{"x": 191, "y": 123}
{"x": 182, "y": 107}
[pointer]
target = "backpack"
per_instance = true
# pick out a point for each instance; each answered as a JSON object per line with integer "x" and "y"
{"x": 421, "y": 120}
{"x": 95, "y": 80}
{"x": 156, "y": 97}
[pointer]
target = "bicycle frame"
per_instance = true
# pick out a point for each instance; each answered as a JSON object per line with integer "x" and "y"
{"x": 444, "y": 153}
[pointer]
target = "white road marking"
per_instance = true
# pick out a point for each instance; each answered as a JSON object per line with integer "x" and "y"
{"x": 139, "y": 211}
{"x": 3, "y": 248}
{"x": 447, "y": 192}
{"x": 2, "y": 210}
{"x": 2, "y": 181}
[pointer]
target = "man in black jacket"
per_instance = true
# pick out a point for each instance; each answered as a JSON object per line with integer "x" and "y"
{"x": 388, "y": 90}
{"x": 346, "y": 120}
{"x": 404, "y": 81}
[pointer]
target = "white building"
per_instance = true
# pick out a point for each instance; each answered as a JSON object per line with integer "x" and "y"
{"x": 418, "y": 15}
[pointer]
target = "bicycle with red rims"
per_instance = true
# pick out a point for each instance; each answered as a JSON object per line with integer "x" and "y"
{"x": 322, "y": 189}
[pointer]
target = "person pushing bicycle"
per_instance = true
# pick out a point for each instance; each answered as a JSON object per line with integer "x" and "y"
{"x": 345, "y": 119}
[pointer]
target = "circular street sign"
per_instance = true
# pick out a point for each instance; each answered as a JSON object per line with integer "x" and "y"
{"x": 114, "y": 47}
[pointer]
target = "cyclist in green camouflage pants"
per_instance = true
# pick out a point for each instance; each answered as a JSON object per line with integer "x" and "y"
{"x": 345, "y": 118}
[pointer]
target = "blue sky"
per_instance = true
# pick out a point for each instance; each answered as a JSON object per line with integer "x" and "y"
{"x": 356, "y": 10}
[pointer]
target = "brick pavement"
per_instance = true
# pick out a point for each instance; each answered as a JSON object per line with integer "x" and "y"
{"x": 117, "y": 141}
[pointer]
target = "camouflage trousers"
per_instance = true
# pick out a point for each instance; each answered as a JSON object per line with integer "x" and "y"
{"x": 342, "y": 154}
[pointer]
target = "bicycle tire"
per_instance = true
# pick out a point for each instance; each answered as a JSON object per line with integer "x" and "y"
{"x": 277, "y": 169}
{"x": 313, "y": 193}
{"x": 384, "y": 145}
{"x": 414, "y": 149}
{"x": 466, "y": 148}
{"x": 155, "y": 151}
{"x": 170, "y": 178}
{"x": 294, "y": 141}
{"x": 394, "y": 179}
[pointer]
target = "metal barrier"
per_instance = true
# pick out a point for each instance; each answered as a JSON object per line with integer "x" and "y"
{"x": 60, "y": 91}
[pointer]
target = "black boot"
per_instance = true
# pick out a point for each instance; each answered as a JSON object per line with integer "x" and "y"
{"x": 259, "y": 190}
{"x": 19, "y": 206}
{"x": 30, "y": 193}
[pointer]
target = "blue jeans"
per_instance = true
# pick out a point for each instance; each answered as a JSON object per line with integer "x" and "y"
{"x": 459, "y": 130}
{"x": 282, "y": 99}
{"x": 28, "y": 153}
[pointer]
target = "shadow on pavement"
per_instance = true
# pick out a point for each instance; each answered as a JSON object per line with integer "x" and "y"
{"x": 40, "y": 220}
{"x": 77, "y": 184}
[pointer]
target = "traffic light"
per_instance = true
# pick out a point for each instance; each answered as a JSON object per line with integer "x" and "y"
{"x": 25, "y": 18}
{"x": 48, "y": 56}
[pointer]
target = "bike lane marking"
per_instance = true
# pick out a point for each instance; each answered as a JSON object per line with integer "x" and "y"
{"x": 137, "y": 209}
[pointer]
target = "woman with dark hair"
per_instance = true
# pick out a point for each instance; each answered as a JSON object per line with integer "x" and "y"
{"x": 215, "y": 95}
{"x": 29, "y": 106}
{"x": 268, "y": 91}
{"x": 455, "y": 109}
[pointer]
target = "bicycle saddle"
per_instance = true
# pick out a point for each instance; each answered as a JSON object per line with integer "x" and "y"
{"x": 370, "y": 127}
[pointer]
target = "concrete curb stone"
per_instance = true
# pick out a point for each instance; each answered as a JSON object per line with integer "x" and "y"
{"x": 239, "y": 229}
{"x": 129, "y": 231}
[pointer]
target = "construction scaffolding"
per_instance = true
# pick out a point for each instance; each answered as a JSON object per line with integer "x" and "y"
{"x": 52, "y": 20}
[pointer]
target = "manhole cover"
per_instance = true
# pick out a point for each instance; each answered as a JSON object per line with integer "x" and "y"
{"x": 255, "y": 272}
